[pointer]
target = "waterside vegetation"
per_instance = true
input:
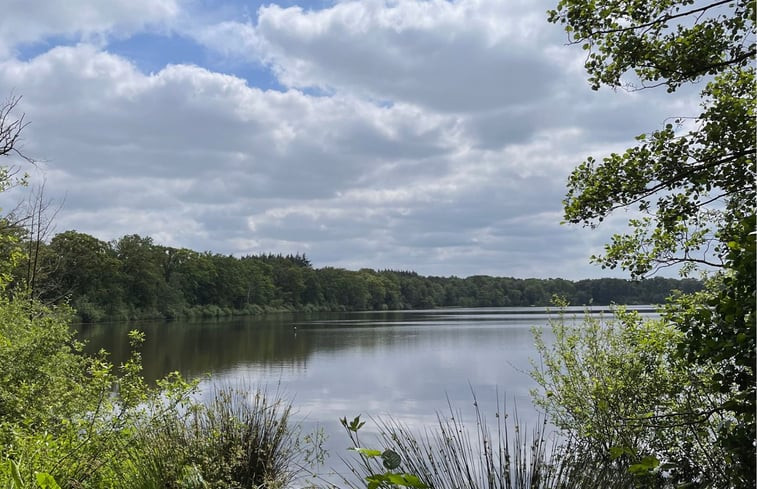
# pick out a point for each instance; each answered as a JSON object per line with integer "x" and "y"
{"x": 134, "y": 278}
{"x": 70, "y": 420}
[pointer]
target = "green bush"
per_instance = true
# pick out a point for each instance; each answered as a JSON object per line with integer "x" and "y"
{"x": 240, "y": 439}
{"x": 87, "y": 311}
{"x": 617, "y": 387}
{"x": 59, "y": 412}
{"x": 88, "y": 424}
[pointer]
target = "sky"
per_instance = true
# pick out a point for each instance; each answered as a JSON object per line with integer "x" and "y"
{"x": 426, "y": 135}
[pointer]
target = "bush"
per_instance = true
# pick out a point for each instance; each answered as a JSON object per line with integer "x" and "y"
{"x": 618, "y": 388}
{"x": 89, "y": 425}
{"x": 88, "y": 311}
{"x": 241, "y": 439}
{"x": 59, "y": 413}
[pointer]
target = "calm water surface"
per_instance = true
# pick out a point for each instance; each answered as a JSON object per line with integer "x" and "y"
{"x": 409, "y": 364}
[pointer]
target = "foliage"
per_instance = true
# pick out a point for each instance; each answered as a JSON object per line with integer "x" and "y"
{"x": 719, "y": 328}
{"x": 240, "y": 439}
{"x": 597, "y": 372}
{"x": 694, "y": 178}
{"x": 619, "y": 387}
{"x": 664, "y": 42}
{"x": 11, "y": 472}
{"x": 134, "y": 278}
{"x": 58, "y": 411}
{"x": 37, "y": 361}
{"x": 387, "y": 475}
{"x": 692, "y": 184}
{"x": 82, "y": 422}
{"x": 452, "y": 456}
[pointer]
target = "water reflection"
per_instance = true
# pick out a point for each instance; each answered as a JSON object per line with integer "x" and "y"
{"x": 407, "y": 364}
{"x": 418, "y": 342}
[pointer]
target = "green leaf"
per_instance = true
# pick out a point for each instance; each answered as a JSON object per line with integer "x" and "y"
{"x": 391, "y": 459}
{"x": 647, "y": 465}
{"x": 373, "y": 484}
{"x": 414, "y": 481}
{"x": 46, "y": 481}
{"x": 16, "y": 474}
{"x": 353, "y": 425}
{"x": 638, "y": 469}
{"x": 368, "y": 452}
{"x": 617, "y": 452}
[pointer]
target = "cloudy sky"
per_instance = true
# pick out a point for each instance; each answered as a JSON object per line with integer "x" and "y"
{"x": 427, "y": 135}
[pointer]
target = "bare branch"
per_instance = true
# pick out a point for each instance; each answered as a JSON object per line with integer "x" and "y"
{"x": 11, "y": 129}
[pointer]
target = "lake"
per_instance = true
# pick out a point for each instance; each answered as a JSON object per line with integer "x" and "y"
{"x": 409, "y": 364}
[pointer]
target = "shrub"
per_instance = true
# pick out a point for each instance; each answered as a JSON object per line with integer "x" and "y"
{"x": 240, "y": 439}
{"x": 616, "y": 386}
{"x": 59, "y": 412}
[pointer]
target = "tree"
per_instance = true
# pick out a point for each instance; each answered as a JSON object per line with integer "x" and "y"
{"x": 692, "y": 183}
{"x": 82, "y": 269}
{"x": 604, "y": 379}
{"x": 11, "y": 227}
{"x": 57, "y": 406}
{"x": 695, "y": 177}
{"x": 141, "y": 268}
{"x": 260, "y": 288}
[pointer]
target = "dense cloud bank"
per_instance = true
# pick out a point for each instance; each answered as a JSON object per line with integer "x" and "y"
{"x": 427, "y": 135}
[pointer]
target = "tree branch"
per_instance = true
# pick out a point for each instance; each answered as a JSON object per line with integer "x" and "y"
{"x": 661, "y": 19}
{"x": 689, "y": 172}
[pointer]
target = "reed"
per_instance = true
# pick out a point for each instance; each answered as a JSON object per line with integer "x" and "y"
{"x": 451, "y": 455}
{"x": 241, "y": 438}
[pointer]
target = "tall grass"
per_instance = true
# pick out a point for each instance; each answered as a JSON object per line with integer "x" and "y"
{"x": 240, "y": 439}
{"x": 505, "y": 456}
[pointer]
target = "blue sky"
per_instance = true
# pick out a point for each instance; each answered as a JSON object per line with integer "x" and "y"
{"x": 427, "y": 135}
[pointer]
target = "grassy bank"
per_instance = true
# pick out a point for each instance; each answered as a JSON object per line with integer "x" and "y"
{"x": 86, "y": 314}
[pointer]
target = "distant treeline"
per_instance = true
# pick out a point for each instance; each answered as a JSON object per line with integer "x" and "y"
{"x": 133, "y": 278}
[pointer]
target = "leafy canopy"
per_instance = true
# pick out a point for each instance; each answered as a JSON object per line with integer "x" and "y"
{"x": 694, "y": 177}
{"x": 690, "y": 186}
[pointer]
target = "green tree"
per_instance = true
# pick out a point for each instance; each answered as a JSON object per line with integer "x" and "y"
{"x": 84, "y": 269}
{"x": 289, "y": 280}
{"x": 171, "y": 301}
{"x": 199, "y": 276}
{"x": 694, "y": 178}
{"x": 312, "y": 294}
{"x": 230, "y": 288}
{"x": 692, "y": 183}
{"x": 11, "y": 227}
{"x": 141, "y": 268}
{"x": 393, "y": 297}
{"x": 260, "y": 288}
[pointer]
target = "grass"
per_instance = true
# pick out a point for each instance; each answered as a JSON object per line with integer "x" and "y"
{"x": 240, "y": 439}
{"x": 502, "y": 456}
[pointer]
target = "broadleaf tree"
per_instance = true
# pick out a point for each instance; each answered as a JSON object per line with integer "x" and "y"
{"x": 690, "y": 185}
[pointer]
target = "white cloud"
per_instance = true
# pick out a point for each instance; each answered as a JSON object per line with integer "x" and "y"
{"x": 441, "y": 144}
{"x": 31, "y": 21}
{"x": 451, "y": 56}
{"x": 231, "y": 38}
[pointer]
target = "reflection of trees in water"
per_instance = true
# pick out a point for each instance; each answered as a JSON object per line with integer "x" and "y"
{"x": 289, "y": 340}
{"x": 195, "y": 348}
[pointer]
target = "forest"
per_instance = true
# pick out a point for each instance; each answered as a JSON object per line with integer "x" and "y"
{"x": 135, "y": 278}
